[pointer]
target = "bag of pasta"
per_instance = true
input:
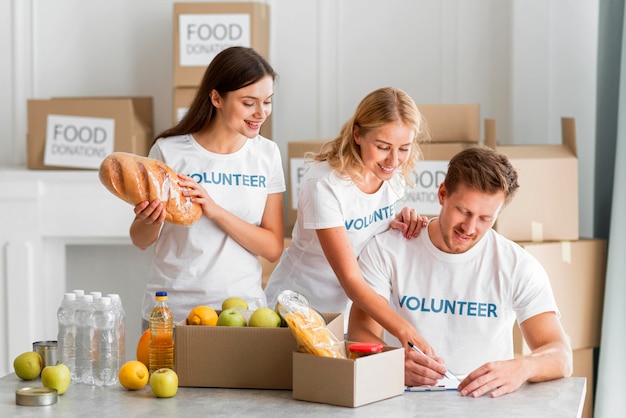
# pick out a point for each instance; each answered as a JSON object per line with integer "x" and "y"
{"x": 309, "y": 327}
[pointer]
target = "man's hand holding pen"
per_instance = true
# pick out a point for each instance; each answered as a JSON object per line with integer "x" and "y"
{"x": 421, "y": 369}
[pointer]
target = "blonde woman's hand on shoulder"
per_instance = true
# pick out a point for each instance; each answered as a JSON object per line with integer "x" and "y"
{"x": 409, "y": 222}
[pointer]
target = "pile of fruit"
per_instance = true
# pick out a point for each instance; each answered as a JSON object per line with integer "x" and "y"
{"x": 235, "y": 313}
{"x": 29, "y": 366}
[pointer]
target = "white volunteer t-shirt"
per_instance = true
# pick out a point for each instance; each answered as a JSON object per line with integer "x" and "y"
{"x": 201, "y": 264}
{"x": 464, "y": 305}
{"x": 327, "y": 201}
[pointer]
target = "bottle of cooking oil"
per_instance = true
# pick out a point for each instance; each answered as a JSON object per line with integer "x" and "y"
{"x": 161, "y": 335}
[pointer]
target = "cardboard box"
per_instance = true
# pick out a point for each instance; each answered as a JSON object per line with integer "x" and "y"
{"x": 202, "y": 30}
{"x": 429, "y": 174}
{"x": 238, "y": 357}
{"x": 584, "y": 366}
{"x": 183, "y": 96}
{"x": 545, "y": 207}
{"x": 296, "y": 169}
{"x": 346, "y": 382}
{"x": 452, "y": 122}
{"x": 131, "y": 120}
{"x": 577, "y": 272}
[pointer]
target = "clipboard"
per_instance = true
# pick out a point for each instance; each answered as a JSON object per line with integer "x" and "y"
{"x": 442, "y": 385}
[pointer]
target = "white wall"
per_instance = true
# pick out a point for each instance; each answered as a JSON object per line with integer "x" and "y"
{"x": 527, "y": 62}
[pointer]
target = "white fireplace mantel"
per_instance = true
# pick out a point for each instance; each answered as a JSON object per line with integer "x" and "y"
{"x": 40, "y": 213}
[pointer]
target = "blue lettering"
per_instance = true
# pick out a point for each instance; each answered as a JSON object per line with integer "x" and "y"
{"x": 461, "y": 304}
{"x": 432, "y": 306}
{"x": 471, "y": 308}
{"x": 368, "y": 220}
{"x": 412, "y": 303}
{"x": 226, "y": 179}
{"x": 448, "y": 307}
{"x": 378, "y": 215}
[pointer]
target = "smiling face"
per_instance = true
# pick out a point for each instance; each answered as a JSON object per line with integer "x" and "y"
{"x": 466, "y": 215}
{"x": 244, "y": 110}
{"x": 384, "y": 150}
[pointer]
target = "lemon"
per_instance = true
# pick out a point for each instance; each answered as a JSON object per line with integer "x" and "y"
{"x": 133, "y": 375}
{"x": 202, "y": 315}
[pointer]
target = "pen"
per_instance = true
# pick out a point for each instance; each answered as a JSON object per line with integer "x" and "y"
{"x": 448, "y": 373}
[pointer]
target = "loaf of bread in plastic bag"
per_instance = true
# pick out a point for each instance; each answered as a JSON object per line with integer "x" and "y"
{"x": 136, "y": 179}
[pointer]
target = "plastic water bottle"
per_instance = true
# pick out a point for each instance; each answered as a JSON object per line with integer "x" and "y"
{"x": 161, "y": 335}
{"x": 120, "y": 316}
{"x": 66, "y": 336}
{"x": 84, "y": 340}
{"x": 105, "y": 359}
{"x": 79, "y": 293}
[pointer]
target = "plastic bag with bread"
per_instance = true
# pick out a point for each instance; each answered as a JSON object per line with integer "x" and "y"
{"x": 136, "y": 179}
{"x": 309, "y": 328}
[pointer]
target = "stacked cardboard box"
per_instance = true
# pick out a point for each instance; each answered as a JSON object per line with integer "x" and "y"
{"x": 577, "y": 273}
{"x": 79, "y": 132}
{"x": 295, "y": 170}
{"x": 201, "y": 31}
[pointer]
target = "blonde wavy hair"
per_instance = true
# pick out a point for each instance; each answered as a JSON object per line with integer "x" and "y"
{"x": 380, "y": 107}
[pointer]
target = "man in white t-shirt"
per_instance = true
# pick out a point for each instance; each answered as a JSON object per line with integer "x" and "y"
{"x": 463, "y": 286}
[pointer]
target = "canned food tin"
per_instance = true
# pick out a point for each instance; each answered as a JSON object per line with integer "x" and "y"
{"x": 48, "y": 351}
{"x": 41, "y": 396}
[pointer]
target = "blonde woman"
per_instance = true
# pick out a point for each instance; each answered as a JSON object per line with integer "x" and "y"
{"x": 348, "y": 194}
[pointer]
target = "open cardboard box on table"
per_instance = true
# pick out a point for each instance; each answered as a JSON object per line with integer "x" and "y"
{"x": 346, "y": 382}
{"x": 238, "y": 357}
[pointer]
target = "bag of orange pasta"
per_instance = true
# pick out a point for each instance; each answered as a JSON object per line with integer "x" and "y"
{"x": 309, "y": 327}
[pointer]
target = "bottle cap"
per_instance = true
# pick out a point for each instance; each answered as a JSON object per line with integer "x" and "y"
{"x": 40, "y": 396}
{"x": 161, "y": 293}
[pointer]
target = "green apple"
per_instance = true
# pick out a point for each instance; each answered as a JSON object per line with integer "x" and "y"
{"x": 28, "y": 365}
{"x": 234, "y": 303}
{"x": 231, "y": 318}
{"x": 265, "y": 317}
{"x": 56, "y": 377}
{"x": 164, "y": 383}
